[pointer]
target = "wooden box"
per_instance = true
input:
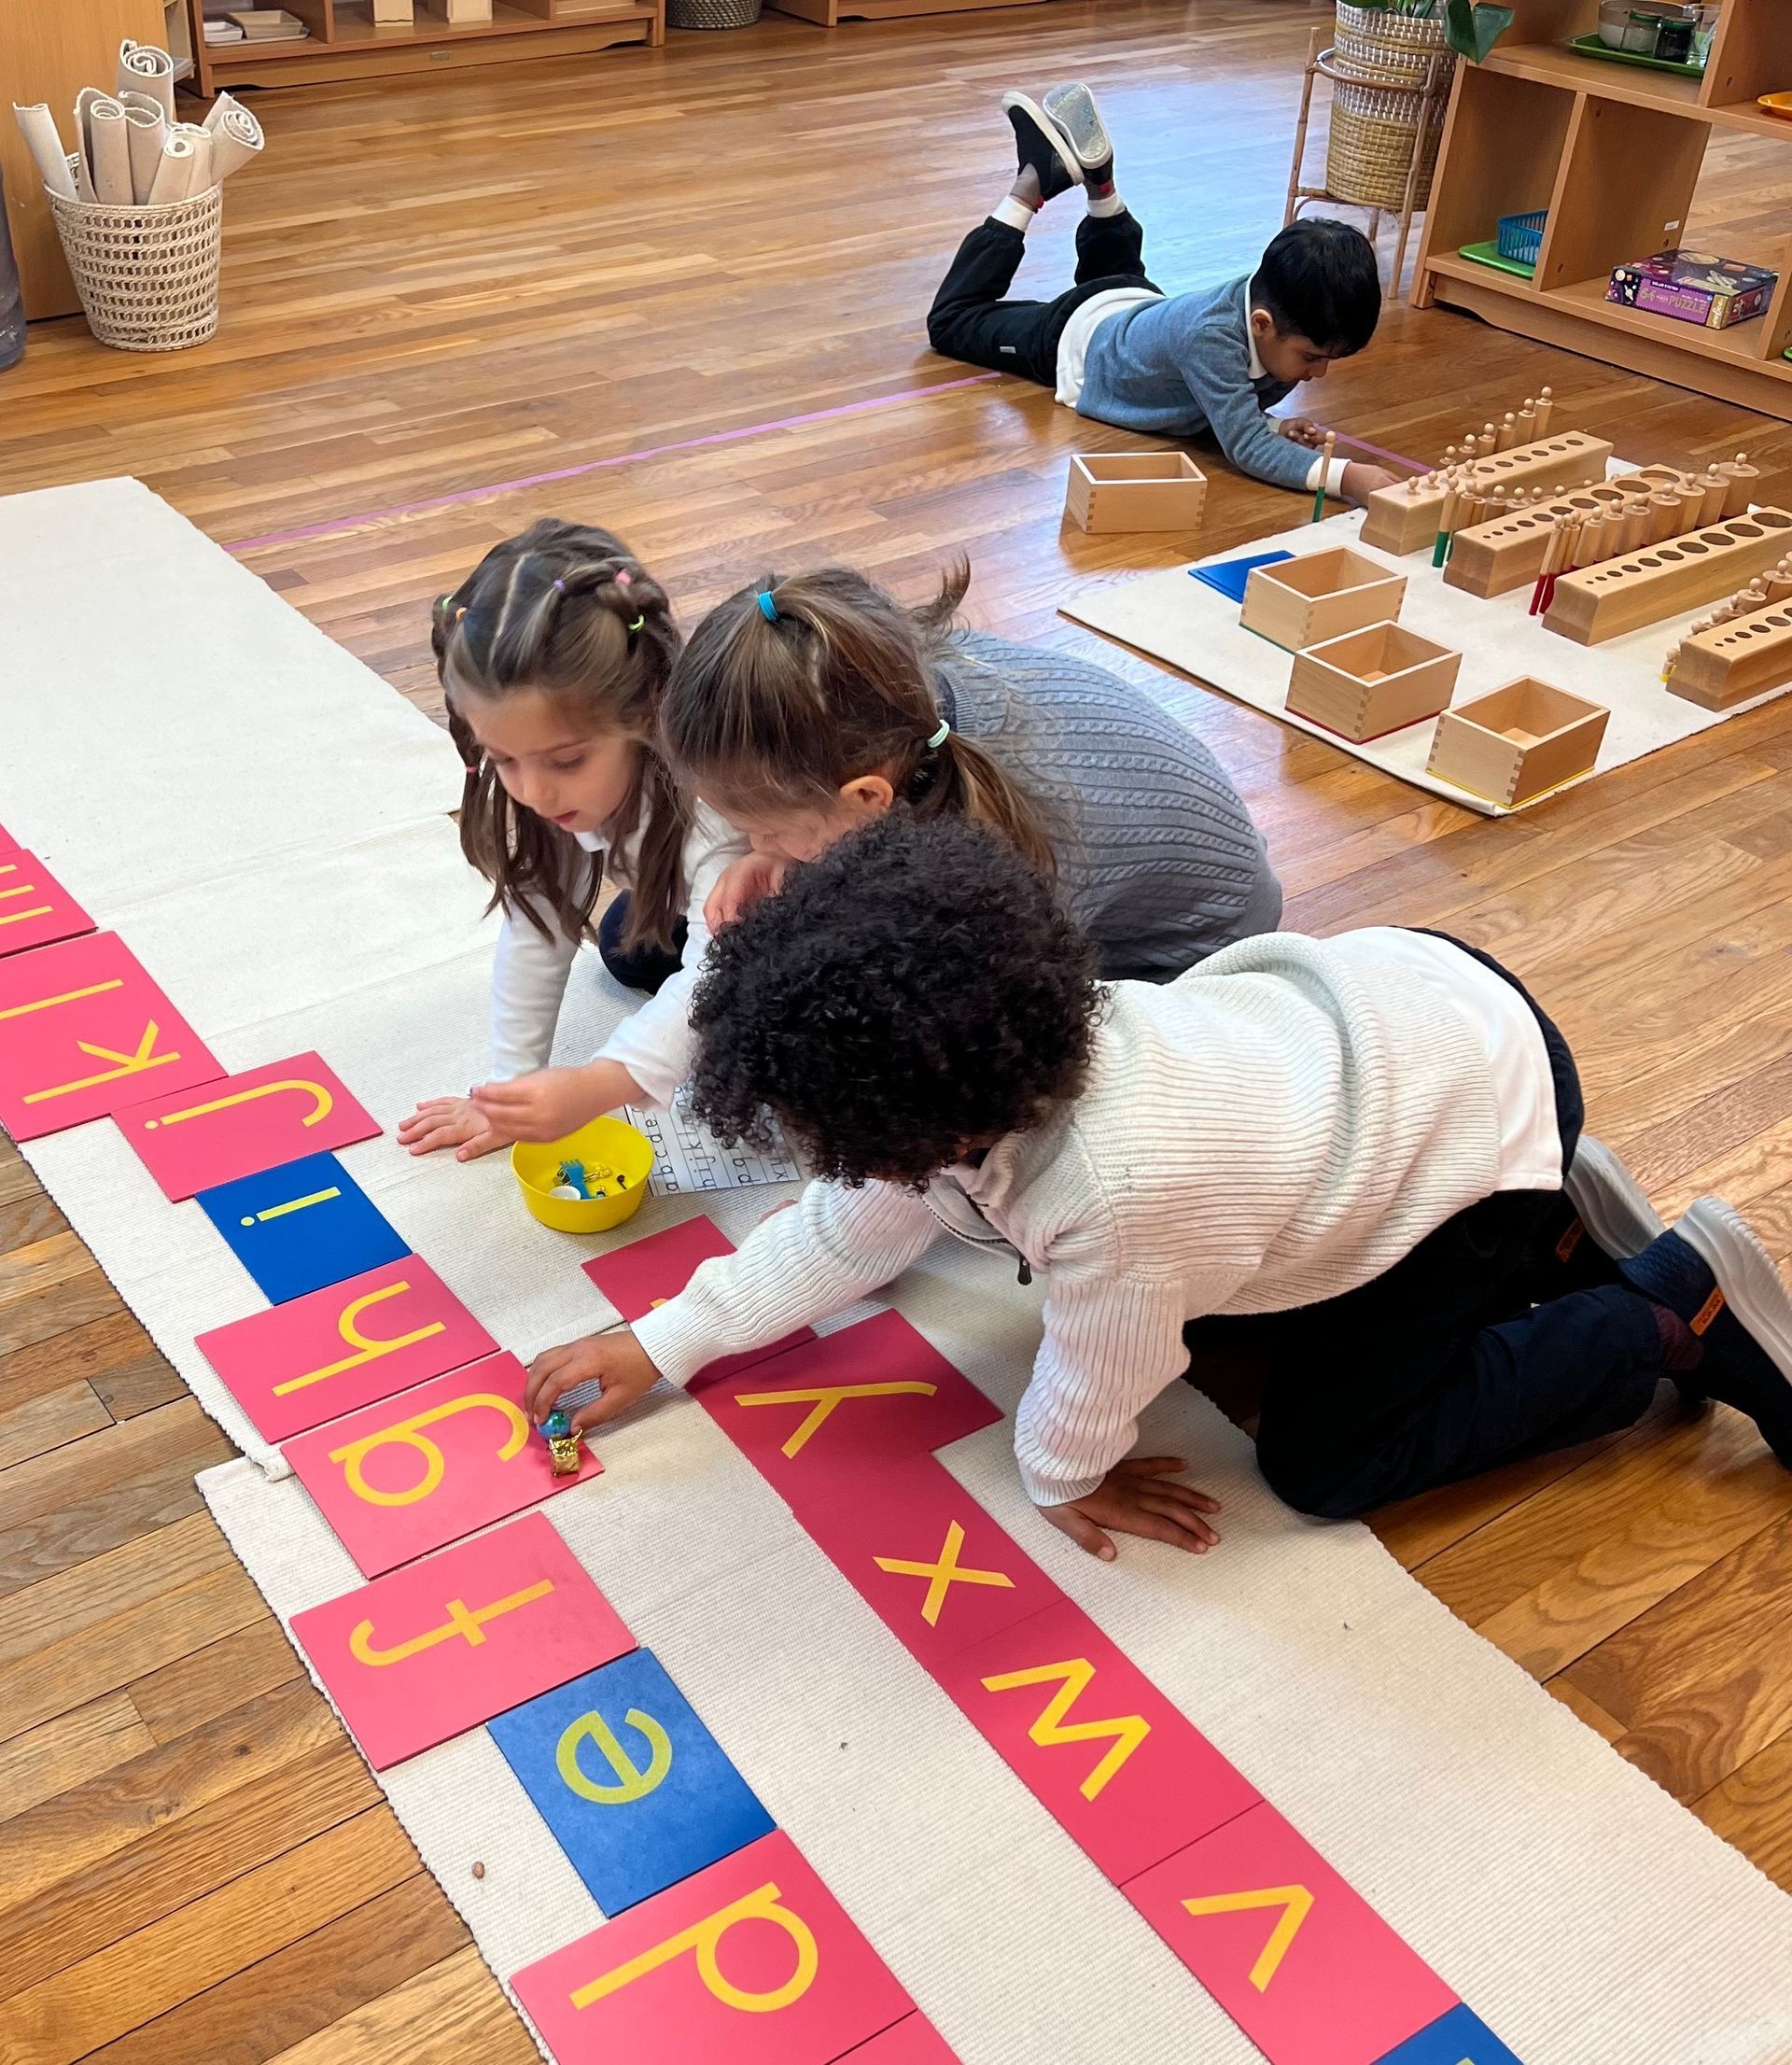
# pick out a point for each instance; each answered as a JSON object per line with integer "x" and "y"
{"x": 1519, "y": 742}
{"x": 1320, "y": 594}
{"x": 1111, "y": 491}
{"x": 1372, "y": 682}
{"x": 1404, "y": 519}
{"x": 1736, "y": 660}
{"x": 392, "y": 14}
{"x": 1668, "y": 580}
{"x": 1494, "y": 558}
{"x": 457, "y": 12}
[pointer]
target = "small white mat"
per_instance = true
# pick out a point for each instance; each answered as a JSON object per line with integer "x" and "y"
{"x": 1182, "y": 622}
{"x": 1585, "y": 1916}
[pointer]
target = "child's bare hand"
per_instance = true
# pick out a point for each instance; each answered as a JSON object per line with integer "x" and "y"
{"x": 1361, "y": 482}
{"x": 1136, "y": 1497}
{"x": 546, "y": 1105}
{"x": 1303, "y": 430}
{"x": 454, "y": 1122}
{"x": 740, "y": 886}
{"x": 618, "y": 1362}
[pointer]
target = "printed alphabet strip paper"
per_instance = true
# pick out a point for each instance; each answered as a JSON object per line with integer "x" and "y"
{"x": 34, "y": 907}
{"x": 927, "y": 1559}
{"x": 434, "y": 1649}
{"x": 423, "y": 1468}
{"x": 85, "y": 1032}
{"x": 239, "y": 1124}
{"x": 638, "y": 1791}
{"x": 1302, "y": 1964}
{"x": 301, "y": 1225}
{"x": 751, "y": 1963}
{"x": 347, "y": 1345}
{"x": 1120, "y": 1769}
{"x": 648, "y": 1272}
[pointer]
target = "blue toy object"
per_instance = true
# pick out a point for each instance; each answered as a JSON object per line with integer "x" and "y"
{"x": 1457, "y": 2038}
{"x": 557, "y": 1424}
{"x": 301, "y": 1225}
{"x": 636, "y": 1791}
{"x": 1230, "y": 575}
{"x": 572, "y": 1173}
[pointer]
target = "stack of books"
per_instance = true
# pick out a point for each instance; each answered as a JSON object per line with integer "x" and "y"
{"x": 269, "y": 24}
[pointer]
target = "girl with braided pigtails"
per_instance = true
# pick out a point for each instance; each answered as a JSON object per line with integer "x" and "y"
{"x": 552, "y": 655}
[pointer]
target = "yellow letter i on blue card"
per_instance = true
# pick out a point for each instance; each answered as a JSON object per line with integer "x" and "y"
{"x": 635, "y": 1788}
{"x": 1457, "y": 2038}
{"x": 301, "y": 1225}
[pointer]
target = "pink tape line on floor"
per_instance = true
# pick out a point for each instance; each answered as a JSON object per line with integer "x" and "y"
{"x": 462, "y": 495}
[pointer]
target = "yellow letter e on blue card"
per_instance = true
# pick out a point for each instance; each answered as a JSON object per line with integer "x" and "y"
{"x": 635, "y": 1788}
{"x": 301, "y": 1225}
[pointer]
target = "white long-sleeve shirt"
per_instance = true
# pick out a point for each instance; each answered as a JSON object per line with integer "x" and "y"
{"x": 529, "y": 974}
{"x": 1280, "y": 1125}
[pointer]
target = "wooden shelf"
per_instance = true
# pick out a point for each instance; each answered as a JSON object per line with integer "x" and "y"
{"x": 1744, "y": 342}
{"x": 1549, "y": 64}
{"x": 356, "y": 26}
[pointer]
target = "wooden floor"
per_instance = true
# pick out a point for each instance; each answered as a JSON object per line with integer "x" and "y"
{"x": 438, "y": 286}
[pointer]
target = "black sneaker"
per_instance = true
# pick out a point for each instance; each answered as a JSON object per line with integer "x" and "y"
{"x": 1071, "y": 111}
{"x": 1606, "y": 1218}
{"x": 1711, "y": 1269}
{"x": 1036, "y": 142}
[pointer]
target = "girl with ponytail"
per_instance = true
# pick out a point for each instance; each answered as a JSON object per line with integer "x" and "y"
{"x": 802, "y": 706}
{"x": 554, "y": 654}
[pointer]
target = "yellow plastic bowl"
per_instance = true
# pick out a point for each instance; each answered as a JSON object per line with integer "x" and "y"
{"x": 605, "y": 1143}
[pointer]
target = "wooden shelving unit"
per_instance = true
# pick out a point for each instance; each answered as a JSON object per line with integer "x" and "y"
{"x": 1614, "y": 152}
{"x": 346, "y": 42}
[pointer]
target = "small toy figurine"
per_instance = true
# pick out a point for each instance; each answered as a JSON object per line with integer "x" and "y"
{"x": 562, "y": 1443}
{"x": 572, "y": 1173}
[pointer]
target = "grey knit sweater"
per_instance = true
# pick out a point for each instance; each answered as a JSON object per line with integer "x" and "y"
{"x": 1158, "y": 860}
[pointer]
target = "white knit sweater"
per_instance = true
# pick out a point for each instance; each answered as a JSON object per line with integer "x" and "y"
{"x": 1278, "y": 1125}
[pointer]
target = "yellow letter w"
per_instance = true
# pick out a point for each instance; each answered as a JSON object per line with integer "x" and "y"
{"x": 1128, "y": 1731}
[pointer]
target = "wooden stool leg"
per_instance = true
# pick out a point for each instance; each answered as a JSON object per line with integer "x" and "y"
{"x": 1293, "y": 207}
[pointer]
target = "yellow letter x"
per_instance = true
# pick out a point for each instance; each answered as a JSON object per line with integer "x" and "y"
{"x": 943, "y": 1575}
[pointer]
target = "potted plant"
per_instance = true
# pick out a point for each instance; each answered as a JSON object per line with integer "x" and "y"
{"x": 1471, "y": 28}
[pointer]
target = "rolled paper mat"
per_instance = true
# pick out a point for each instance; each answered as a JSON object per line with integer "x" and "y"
{"x": 38, "y": 127}
{"x": 111, "y": 151}
{"x": 174, "y": 176}
{"x": 204, "y": 176}
{"x": 149, "y": 71}
{"x": 237, "y": 137}
{"x": 84, "y": 127}
{"x": 146, "y": 130}
{"x": 83, "y": 178}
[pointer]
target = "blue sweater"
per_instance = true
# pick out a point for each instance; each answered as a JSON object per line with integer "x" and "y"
{"x": 1177, "y": 367}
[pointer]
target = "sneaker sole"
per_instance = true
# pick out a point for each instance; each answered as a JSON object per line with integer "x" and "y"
{"x": 1054, "y": 132}
{"x": 1753, "y": 1288}
{"x": 1612, "y": 1204}
{"x": 1074, "y": 110}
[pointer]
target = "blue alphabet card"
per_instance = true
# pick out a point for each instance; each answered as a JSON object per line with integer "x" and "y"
{"x": 301, "y": 1225}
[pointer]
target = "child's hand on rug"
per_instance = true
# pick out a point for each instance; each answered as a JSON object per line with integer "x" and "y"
{"x": 552, "y": 1102}
{"x": 1302, "y": 429}
{"x": 741, "y": 885}
{"x": 1361, "y": 482}
{"x": 1136, "y": 1497}
{"x": 454, "y": 1122}
{"x": 617, "y": 1361}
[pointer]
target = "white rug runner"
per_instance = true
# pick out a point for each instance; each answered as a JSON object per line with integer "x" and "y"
{"x": 1588, "y": 1917}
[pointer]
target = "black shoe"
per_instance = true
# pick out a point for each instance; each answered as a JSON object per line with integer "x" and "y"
{"x": 1712, "y": 1271}
{"x": 1082, "y": 136}
{"x": 1037, "y": 138}
{"x": 1606, "y": 1218}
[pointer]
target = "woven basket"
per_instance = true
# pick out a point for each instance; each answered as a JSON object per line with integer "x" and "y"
{"x": 148, "y": 277}
{"x": 711, "y": 14}
{"x": 1380, "y": 60}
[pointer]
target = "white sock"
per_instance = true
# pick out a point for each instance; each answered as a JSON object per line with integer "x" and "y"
{"x": 1107, "y": 203}
{"x": 1015, "y": 213}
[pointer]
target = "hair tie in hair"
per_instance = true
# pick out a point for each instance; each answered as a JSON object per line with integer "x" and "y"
{"x": 559, "y": 587}
{"x": 940, "y": 737}
{"x": 767, "y": 608}
{"x": 624, "y": 578}
{"x": 460, "y": 612}
{"x": 638, "y": 624}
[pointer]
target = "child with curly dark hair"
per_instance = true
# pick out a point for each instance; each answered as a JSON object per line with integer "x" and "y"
{"x": 1363, "y": 1153}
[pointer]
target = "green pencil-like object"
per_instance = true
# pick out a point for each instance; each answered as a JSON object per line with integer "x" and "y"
{"x": 1324, "y": 474}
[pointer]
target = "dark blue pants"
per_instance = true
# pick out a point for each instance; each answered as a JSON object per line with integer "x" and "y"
{"x": 646, "y": 967}
{"x": 1469, "y": 1352}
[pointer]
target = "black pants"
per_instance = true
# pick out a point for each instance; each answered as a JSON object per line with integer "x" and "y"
{"x": 646, "y": 967}
{"x": 1467, "y": 1353}
{"x": 970, "y": 319}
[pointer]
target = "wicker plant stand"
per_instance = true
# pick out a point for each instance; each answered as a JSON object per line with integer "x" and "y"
{"x": 1386, "y": 127}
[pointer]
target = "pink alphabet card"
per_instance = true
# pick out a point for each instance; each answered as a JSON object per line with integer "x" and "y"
{"x": 84, "y": 1033}
{"x": 423, "y": 1468}
{"x": 1302, "y": 1964}
{"x": 858, "y": 1398}
{"x": 441, "y": 1646}
{"x": 242, "y": 1124}
{"x": 650, "y": 1272}
{"x": 347, "y": 1345}
{"x": 34, "y": 907}
{"x": 751, "y": 1961}
{"x": 1115, "y": 1765}
{"x": 913, "y": 2041}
